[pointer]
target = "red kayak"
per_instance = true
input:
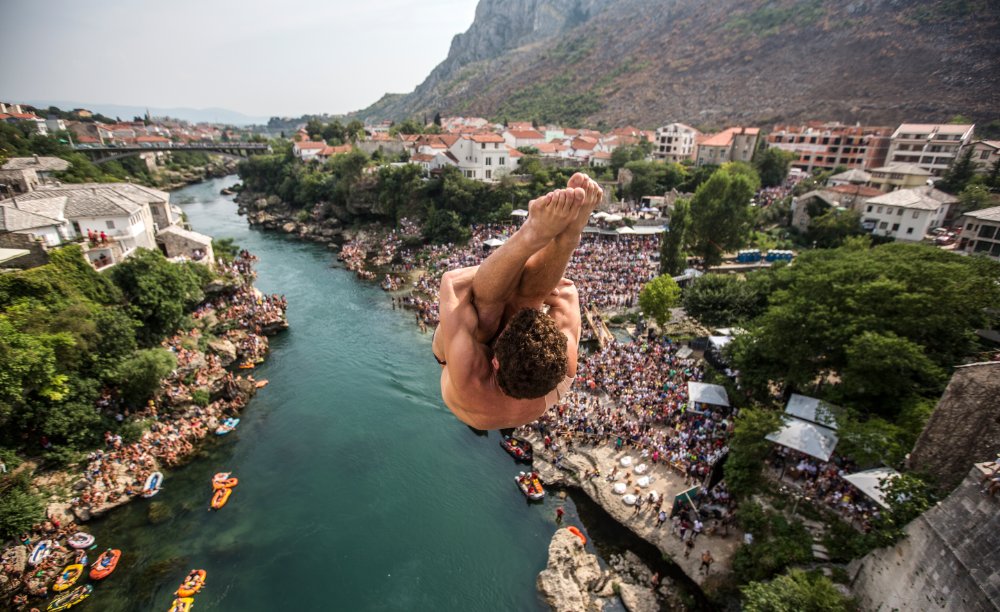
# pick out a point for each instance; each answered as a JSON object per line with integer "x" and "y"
{"x": 105, "y": 564}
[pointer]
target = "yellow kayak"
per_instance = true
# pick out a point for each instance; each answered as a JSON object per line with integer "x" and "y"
{"x": 68, "y": 577}
{"x": 181, "y": 604}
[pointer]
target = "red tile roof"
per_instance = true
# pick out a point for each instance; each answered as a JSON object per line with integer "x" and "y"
{"x": 861, "y": 190}
{"x": 529, "y": 134}
{"x": 308, "y": 144}
{"x": 488, "y": 137}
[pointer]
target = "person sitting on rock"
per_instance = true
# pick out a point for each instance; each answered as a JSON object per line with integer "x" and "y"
{"x": 510, "y": 328}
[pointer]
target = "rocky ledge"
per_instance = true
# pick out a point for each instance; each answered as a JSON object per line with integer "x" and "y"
{"x": 573, "y": 580}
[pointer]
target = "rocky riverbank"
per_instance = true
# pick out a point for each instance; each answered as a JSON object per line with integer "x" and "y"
{"x": 573, "y": 580}
{"x": 576, "y": 463}
{"x": 231, "y": 328}
{"x": 270, "y": 213}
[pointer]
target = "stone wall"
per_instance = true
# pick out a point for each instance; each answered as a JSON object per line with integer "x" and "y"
{"x": 949, "y": 560}
{"x": 37, "y": 257}
{"x": 964, "y": 428}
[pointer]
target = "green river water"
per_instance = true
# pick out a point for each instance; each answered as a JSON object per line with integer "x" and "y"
{"x": 358, "y": 489}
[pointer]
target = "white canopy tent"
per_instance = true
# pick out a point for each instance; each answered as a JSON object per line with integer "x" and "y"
{"x": 805, "y": 437}
{"x": 812, "y": 409}
{"x": 599, "y": 215}
{"x": 613, "y": 218}
{"x": 624, "y": 230}
{"x": 870, "y": 482}
{"x": 493, "y": 242}
{"x": 718, "y": 342}
{"x": 704, "y": 393}
{"x": 519, "y": 212}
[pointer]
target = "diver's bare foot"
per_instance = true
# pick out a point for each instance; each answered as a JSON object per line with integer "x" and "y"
{"x": 550, "y": 214}
{"x": 593, "y": 194}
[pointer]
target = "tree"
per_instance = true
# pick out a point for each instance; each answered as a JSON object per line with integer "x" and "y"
{"x": 158, "y": 290}
{"x": 19, "y": 509}
{"x": 720, "y": 300}
{"x": 225, "y": 249}
{"x": 748, "y": 448}
{"x": 658, "y": 296}
{"x": 973, "y": 197}
{"x": 673, "y": 260}
{"x": 623, "y": 155}
{"x": 908, "y": 497}
{"x": 834, "y": 305}
{"x": 833, "y": 227}
{"x": 772, "y": 165}
{"x": 139, "y": 376}
{"x": 721, "y": 217}
{"x": 796, "y": 591}
{"x": 652, "y": 178}
{"x": 444, "y": 226}
{"x": 961, "y": 170}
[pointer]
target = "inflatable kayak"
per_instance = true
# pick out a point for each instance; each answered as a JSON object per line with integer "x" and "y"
{"x": 227, "y": 426}
{"x": 80, "y": 539}
{"x": 578, "y": 534}
{"x": 220, "y": 497}
{"x": 68, "y": 577}
{"x": 68, "y": 600}
{"x": 222, "y": 480}
{"x": 247, "y": 366}
{"x": 192, "y": 584}
{"x": 153, "y": 483}
{"x": 518, "y": 448}
{"x": 530, "y": 485}
{"x": 41, "y": 551}
{"x": 105, "y": 564}
{"x": 181, "y": 604}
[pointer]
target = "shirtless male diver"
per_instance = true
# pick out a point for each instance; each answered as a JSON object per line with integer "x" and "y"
{"x": 510, "y": 327}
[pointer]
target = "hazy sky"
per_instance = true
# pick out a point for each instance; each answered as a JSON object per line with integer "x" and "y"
{"x": 279, "y": 57}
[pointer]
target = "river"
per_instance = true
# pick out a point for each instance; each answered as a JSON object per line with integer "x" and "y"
{"x": 358, "y": 489}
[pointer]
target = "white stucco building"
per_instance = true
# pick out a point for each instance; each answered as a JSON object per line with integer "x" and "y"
{"x": 906, "y": 214}
{"x": 931, "y": 146}
{"x": 675, "y": 142}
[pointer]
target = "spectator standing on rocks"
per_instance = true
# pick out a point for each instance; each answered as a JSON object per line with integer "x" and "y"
{"x": 706, "y": 561}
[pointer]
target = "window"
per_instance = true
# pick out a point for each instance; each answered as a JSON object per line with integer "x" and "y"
{"x": 111, "y": 224}
{"x": 489, "y": 174}
{"x": 483, "y": 145}
{"x": 899, "y": 213}
{"x": 968, "y": 226}
{"x": 909, "y": 230}
{"x": 870, "y": 207}
{"x": 987, "y": 231}
{"x": 879, "y": 210}
{"x": 916, "y": 214}
{"x": 502, "y": 161}
{"x": 883, "y": 225}
{"x": 895, "y": 227}
{"x": 984, "y": 155}
{"x": 489, "y": 161}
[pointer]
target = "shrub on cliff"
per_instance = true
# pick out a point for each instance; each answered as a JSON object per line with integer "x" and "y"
{"x": 797, "y": 590}
{"x": 160, "y": 292}
{"x": 139, "y": 376}
{"x": 19, "y": 508}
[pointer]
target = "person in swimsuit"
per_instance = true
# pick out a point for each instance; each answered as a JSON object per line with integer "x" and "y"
{"x": 509, "y": 328}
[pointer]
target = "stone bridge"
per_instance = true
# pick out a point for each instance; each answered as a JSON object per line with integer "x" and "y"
{"x": 105, "y": 153}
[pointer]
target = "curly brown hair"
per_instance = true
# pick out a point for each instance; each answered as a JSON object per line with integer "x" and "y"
{"x": 531, "y": 352}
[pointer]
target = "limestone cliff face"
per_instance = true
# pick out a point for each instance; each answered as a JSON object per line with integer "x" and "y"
{"x": 716, "y": 62}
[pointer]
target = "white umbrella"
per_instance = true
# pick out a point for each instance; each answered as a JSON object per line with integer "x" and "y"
{"x": 625, "y": 230}
{"x": 520, "y": 212}
{"x": 803, "y": 436}
{"x": 870, "y": 482}
{"x": 493, "y": 242}
{"x": 613, "y": 218}
{"x": 619, "y": 488}
{"x": 629, "y": 499}
{"x": 626, "y": 461}
{"x": 643, "y": 481}
{"x": 599, "y": 215}
{"x": 641, "y": 468}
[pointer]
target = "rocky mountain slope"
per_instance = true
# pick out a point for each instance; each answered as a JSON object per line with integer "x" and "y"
{"x": 716, "y": 62}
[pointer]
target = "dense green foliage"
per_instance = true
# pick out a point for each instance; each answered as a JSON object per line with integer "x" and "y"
{"x": 160, "y": 292}
{"x": 658, "y": 296}
{"x": 833, "y": 227}
{"x": 552, "y": 101}
{"x": 721, "y": 300}
{"x": 796, "y": 591}
{"x": 878, "y": 325}
{"x": 721, "y": 216}
{"x": 772, "y": 165}
{"x": 748, "y": 448}
{"x": 67, "y": 332}
{"x": 19, "y": 507}
{"x": 777, "y": 543}
{"x": 652, "y": 178}
{"x": 673, "y": 258}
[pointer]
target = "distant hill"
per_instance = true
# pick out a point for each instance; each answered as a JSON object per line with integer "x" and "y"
{"x": 126, "y": 112}
{"x": 716, "y": 62}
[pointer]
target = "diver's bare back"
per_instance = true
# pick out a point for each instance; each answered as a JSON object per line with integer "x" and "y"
{"x": 468, "y": 386}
